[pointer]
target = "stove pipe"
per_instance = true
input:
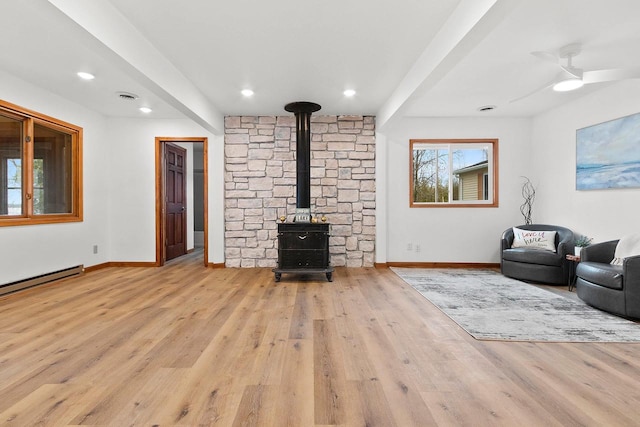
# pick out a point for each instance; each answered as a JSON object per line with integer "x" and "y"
{"x": 302, "y": 111}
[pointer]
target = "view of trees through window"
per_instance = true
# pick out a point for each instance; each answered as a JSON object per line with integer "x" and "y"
{"x": 452, "y": 172}
{"x": 14, "y": 187}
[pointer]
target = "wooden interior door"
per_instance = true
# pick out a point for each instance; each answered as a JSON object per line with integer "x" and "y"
{"x": 175, "y": 191}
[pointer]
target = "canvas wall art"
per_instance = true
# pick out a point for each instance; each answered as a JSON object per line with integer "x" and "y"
{"x": 608, "y": 154}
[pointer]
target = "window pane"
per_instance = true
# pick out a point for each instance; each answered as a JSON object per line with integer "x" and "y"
{"x": 442, "y": 177}
{"x": 10, "y": 166}
{"x": 15, "y": 201}
{"x": 14, "y": 186}
{"x": 431, "y": 175}
{"x": 38, "y": 173}
{"x": 469, "y": 167}
{"x": 38, "y": 186}
{"x": 485, "y": 187}
{"x": 422, "y": 173}
{"x": 14, "y": 173}
{"x": 52, "y": 171}
{"x": 38, "y": 200}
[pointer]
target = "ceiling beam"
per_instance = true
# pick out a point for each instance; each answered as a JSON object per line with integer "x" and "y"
{"x": 152, "y": 69}
{"x": 470, "y": 22}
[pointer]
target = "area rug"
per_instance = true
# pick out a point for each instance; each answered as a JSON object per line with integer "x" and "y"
{"x": 490, "y": 306}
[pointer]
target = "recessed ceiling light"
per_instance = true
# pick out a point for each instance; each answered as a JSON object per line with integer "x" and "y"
{"x": 246, "y": 92}
{"x": 146, "y": 110}
{"x": 86, "y": 76}
{"x": 349, "y": 93}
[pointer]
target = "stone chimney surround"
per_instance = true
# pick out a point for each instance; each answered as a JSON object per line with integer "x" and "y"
{"x": 260, "y": 186}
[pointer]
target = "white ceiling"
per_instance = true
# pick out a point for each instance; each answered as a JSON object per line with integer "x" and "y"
{"x": 441, "y": 58}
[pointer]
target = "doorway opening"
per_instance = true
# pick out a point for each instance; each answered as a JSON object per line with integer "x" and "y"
{"x": 181, "y": 210}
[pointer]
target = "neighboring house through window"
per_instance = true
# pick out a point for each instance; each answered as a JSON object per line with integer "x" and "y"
{"x": 473, "y": 181}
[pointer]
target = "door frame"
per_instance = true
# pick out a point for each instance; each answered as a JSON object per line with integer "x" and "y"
{"x": 160, "y": 144}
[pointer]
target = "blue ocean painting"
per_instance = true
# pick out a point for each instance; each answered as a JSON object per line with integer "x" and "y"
{"x": 608, "y": 154}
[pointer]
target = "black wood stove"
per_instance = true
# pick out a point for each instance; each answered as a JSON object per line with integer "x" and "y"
{"x": 303, "y": 245}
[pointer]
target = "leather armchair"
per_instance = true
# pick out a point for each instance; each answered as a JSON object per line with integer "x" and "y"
{"x": 612, "y": 288}
{"x": 535, "y": 265}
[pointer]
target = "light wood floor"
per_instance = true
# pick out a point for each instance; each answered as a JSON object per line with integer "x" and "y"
{"x": 184, "y": 345}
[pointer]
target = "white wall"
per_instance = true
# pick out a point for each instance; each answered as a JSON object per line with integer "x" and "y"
{"x": 28, "y": 251}
{"x": 132, "y": 203}
{"x": 216, "y": 199}
{"x": 453, "y": 234}
{"x": 601, "y": 214}
{"x": 118, "y": 191}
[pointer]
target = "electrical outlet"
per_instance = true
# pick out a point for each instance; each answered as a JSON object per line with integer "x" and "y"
{"x": 409, "y": 247}
{"x": 95, "y": 249}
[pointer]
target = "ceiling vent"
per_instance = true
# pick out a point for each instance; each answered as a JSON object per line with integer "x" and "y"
{"x": 127, "y": 96}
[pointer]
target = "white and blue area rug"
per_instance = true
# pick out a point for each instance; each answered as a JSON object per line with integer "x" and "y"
{"x": 490, "y": 306}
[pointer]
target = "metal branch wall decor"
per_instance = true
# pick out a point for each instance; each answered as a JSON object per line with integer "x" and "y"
{"x": 529, "y": 195}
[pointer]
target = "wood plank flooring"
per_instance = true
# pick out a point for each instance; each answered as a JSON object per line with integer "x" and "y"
{"x": 182, "y": 345}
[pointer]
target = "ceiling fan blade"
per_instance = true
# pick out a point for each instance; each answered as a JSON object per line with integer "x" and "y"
{"x": 575, "y": 72}
{"x": 546, "y": 56}
{"x": 546, "y": 86}
{"x": 598, "y": 76}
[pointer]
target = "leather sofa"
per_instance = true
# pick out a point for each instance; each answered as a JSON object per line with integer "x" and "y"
{"x": 612, "y": 288}
{"x": 535, "y": 265}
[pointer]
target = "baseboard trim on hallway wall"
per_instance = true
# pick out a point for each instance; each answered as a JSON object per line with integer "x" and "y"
{"x": 119, "y": 264}
{"x": 96, "y": 267}
{"x": 216, "y": 265}
{"x": 132, "y": 264}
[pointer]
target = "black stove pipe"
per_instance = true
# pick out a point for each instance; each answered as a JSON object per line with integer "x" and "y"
{"x": 302, "y": 111}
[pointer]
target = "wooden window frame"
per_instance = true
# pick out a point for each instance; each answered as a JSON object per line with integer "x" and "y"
{"x": 29, "y": 118}
{"x": 493, "y": 178}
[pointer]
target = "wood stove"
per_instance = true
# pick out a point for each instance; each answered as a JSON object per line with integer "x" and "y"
{"x": 303, "y": 245}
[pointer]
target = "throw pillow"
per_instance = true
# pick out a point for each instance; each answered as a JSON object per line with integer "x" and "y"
{"x": 627, "y": 246}
{"x": 534, "y": 239}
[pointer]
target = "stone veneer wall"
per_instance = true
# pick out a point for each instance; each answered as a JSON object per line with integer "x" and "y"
{"x": 260, "y": 181}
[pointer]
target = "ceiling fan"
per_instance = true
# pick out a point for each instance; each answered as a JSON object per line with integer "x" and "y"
{"x": 570, "y": 77}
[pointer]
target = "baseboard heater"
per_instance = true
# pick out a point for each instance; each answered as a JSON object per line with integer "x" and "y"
{"x": 41, "y": 280}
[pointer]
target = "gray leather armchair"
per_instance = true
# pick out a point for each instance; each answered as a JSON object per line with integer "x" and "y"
{"x": 536, "y": 265}
{"x": 612, "y": 288}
